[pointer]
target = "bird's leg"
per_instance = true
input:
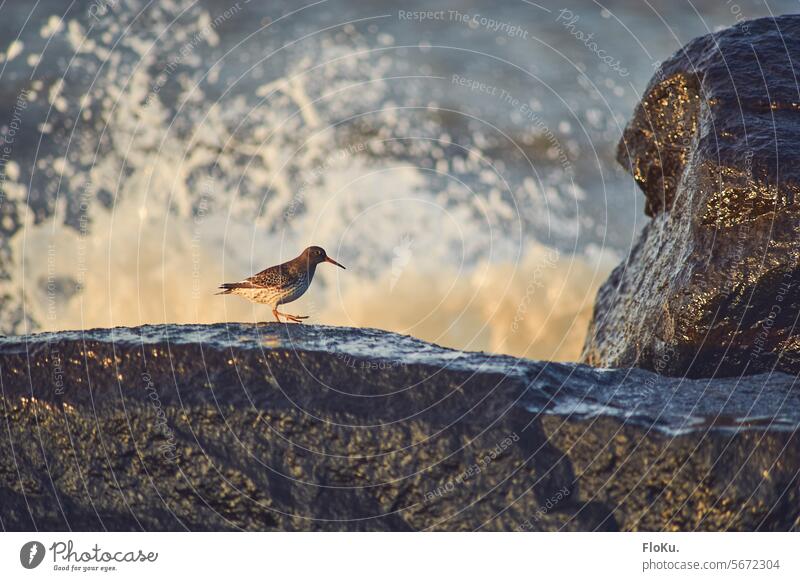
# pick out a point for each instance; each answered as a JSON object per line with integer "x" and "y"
{"x": 293, "y": 318}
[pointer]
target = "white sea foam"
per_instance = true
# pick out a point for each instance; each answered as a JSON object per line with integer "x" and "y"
{"x": 136, "y": 268}
{"x": 201, "y": 191}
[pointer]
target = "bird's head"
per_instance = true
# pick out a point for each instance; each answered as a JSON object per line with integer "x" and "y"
{"x": 316, "y": 255}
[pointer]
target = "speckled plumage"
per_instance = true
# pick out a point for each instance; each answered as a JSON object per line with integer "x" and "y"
{"x": 281, "y": 284}
{"x": 284, "y": 289}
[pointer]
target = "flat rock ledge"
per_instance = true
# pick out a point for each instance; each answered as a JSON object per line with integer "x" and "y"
{"x": 298, "y": 427}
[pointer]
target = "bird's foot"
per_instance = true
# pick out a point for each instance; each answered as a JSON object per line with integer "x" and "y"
{"x": 295, "y": 318}
{"x": 292, "y": 318}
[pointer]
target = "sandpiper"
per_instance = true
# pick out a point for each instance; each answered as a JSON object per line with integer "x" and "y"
{"x": 281, "y": 284}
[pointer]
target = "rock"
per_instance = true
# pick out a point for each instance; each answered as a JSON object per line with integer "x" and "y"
{"x": 296, "y": 427}
{"x": 712, "y": 286}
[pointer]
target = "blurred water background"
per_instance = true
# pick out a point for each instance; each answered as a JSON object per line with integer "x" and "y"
{"x": 457, "y": 157}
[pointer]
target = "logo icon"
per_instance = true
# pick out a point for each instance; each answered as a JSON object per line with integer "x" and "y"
{"x": 31, "y": 554}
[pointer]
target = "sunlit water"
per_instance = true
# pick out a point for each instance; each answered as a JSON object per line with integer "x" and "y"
{"x": 461, "y": 165}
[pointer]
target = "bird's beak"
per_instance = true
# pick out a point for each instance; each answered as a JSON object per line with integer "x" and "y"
{"x": 332, "y": 261}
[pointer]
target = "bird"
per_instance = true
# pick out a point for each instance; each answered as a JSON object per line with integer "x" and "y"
{"x": 281, "y": 284}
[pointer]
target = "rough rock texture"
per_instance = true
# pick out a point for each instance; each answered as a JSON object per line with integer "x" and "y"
{"x": 712, "y": 287}
{"x": 293, "y": 427}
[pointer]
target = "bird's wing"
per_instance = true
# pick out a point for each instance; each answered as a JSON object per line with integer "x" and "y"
{"x": 272, "y": 276}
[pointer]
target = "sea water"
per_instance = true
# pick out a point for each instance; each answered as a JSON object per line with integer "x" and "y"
{"x": 457, "y": 158}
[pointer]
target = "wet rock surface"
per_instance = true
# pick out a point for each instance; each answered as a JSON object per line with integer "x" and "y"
{"x": 275, "y": 427}
{"x": 712, "y": 287}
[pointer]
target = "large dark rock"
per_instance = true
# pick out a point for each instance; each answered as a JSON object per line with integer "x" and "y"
{"x": 316, "y": 428}
{"x": 712, "y": 287}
